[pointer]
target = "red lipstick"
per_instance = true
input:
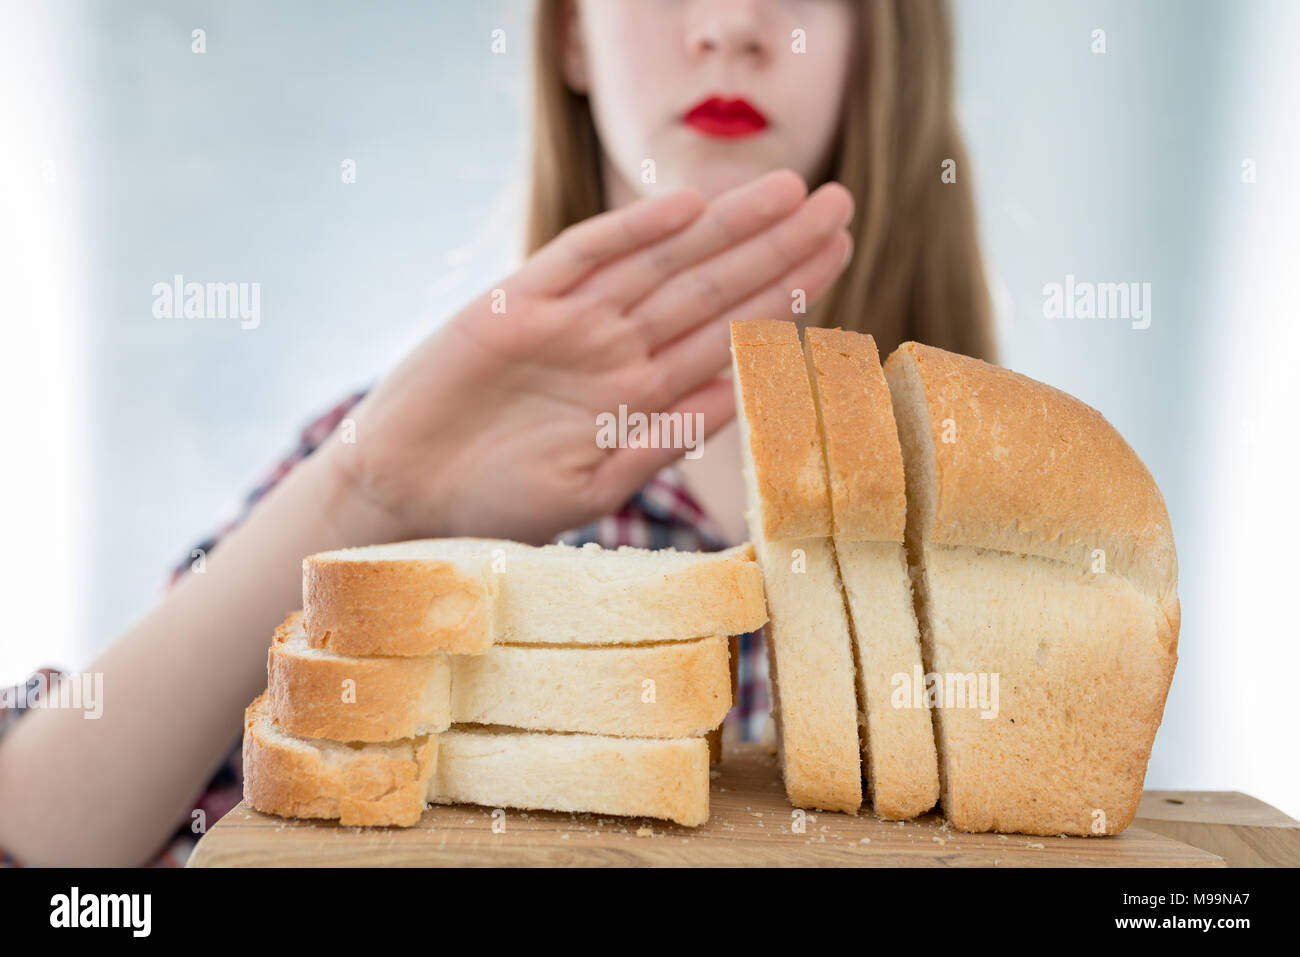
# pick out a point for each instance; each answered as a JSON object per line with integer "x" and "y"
{"x": 726, "y": 118}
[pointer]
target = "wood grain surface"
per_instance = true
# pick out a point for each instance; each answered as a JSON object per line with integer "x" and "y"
{"x": 751, "y": 825}
{"x": 1243, "y": 830}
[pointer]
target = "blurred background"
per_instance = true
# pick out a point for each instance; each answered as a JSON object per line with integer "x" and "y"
{"x": 1173, "y": 158}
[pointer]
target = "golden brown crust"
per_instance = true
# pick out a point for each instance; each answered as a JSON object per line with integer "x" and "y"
{"x": 789, "y": 467}
{"x": 714, "y": 738}
{"x": 355, "y": 698}
{"x": 1021, "y": 467}
{"x": 376, "y": 785}
{"x": 863, "y": 459}
{"x": 394, "y": 607}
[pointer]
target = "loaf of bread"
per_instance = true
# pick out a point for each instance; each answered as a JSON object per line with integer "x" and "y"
{"x": 992, "y": 557}
{"x": 1044, "y": 557}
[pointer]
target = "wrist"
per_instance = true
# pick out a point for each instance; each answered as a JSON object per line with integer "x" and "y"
{"x": 349, "y": 515}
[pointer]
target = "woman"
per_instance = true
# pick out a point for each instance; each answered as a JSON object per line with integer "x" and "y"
{"x": 674, "y": 142}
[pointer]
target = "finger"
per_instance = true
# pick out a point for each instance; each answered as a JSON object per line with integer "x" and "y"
{"x": 695, "y": 358}
{"x": 734, "y": 216}
{"x": 702, "y": 292}
{"x": 578, "y": 250}
{"x": 707, "y": 409}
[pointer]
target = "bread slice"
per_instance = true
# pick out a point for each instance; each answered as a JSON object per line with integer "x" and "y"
{"x": 409, "y": 598}
{"x": 634, "y": 777}
{"x": 318, "y": 693}
{"x": 389, "y": 784}
{"x": 1044, "y": 556}
{"x": 869, "y": 512}
{"x": 810, "y": 652}
{"x": 459, "y": 595}
{"x": 677, "y": 689}
{"x": 370, "y": 784}
{"x": 670, "y": 690}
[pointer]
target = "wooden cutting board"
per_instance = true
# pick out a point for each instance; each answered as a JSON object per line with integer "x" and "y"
{"x": 1243, "y": 830}
{"x": 751, "y": 825}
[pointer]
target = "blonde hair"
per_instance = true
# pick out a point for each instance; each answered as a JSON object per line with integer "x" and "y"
{"x": 916, "y": 272}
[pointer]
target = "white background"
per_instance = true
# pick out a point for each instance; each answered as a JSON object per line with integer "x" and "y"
{"x": 127, "y": 438}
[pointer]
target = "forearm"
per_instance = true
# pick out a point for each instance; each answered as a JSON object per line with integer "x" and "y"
{"x": 110, "y": 790}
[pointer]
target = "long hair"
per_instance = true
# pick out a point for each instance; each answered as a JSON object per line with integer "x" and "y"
{"x": 916, "y": 272}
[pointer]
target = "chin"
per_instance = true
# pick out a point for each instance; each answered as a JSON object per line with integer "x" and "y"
{"x": 716, "y": 177}
{"x": 713, "y": 167}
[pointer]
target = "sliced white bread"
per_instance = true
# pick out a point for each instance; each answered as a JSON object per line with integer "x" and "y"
{"x": 371, "y": 784}
{"x": 1043, "y": 552}
{"x": 635, "y": 777}
{"x": 869, "y": 510}
{"x": 389, "y": 784}
{"x": 679, "y": 689}
{"x": 461, "y": 595}
{"x": 409, "y": 598}
{"x": 669, "y": 690}
{"x": 321, "y": 694}
{"x": 810, "y": 654}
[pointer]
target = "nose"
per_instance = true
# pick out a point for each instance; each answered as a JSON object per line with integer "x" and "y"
{"x": 733, "y": 29}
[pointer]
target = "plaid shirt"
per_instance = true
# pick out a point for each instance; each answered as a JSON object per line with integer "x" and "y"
{"x": 661, "y": 515}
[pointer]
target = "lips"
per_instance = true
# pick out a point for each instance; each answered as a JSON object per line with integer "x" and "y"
{"x": 725, "y": 118}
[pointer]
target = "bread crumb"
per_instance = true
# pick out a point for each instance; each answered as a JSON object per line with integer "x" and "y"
{"x": 864, "y": 840}
{"x": 645, "y": 832}
{"x": 1035, "y": 844}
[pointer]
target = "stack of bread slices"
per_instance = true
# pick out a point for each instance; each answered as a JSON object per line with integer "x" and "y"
{"x": 489, "y": 672}
{"x": 971, "y": 579}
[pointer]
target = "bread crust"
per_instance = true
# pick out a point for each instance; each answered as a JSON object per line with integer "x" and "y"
{"x": 378, "y": 785}
{"x": 863, "y": 458}
{"x": 354, "y": 698}
{"x": 395, "y": 607}
{"x": 789, "y": 466}
{"x": 1033, "y": 470}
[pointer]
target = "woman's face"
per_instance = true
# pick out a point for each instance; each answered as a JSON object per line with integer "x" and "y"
{"x": 711, "y": 92}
